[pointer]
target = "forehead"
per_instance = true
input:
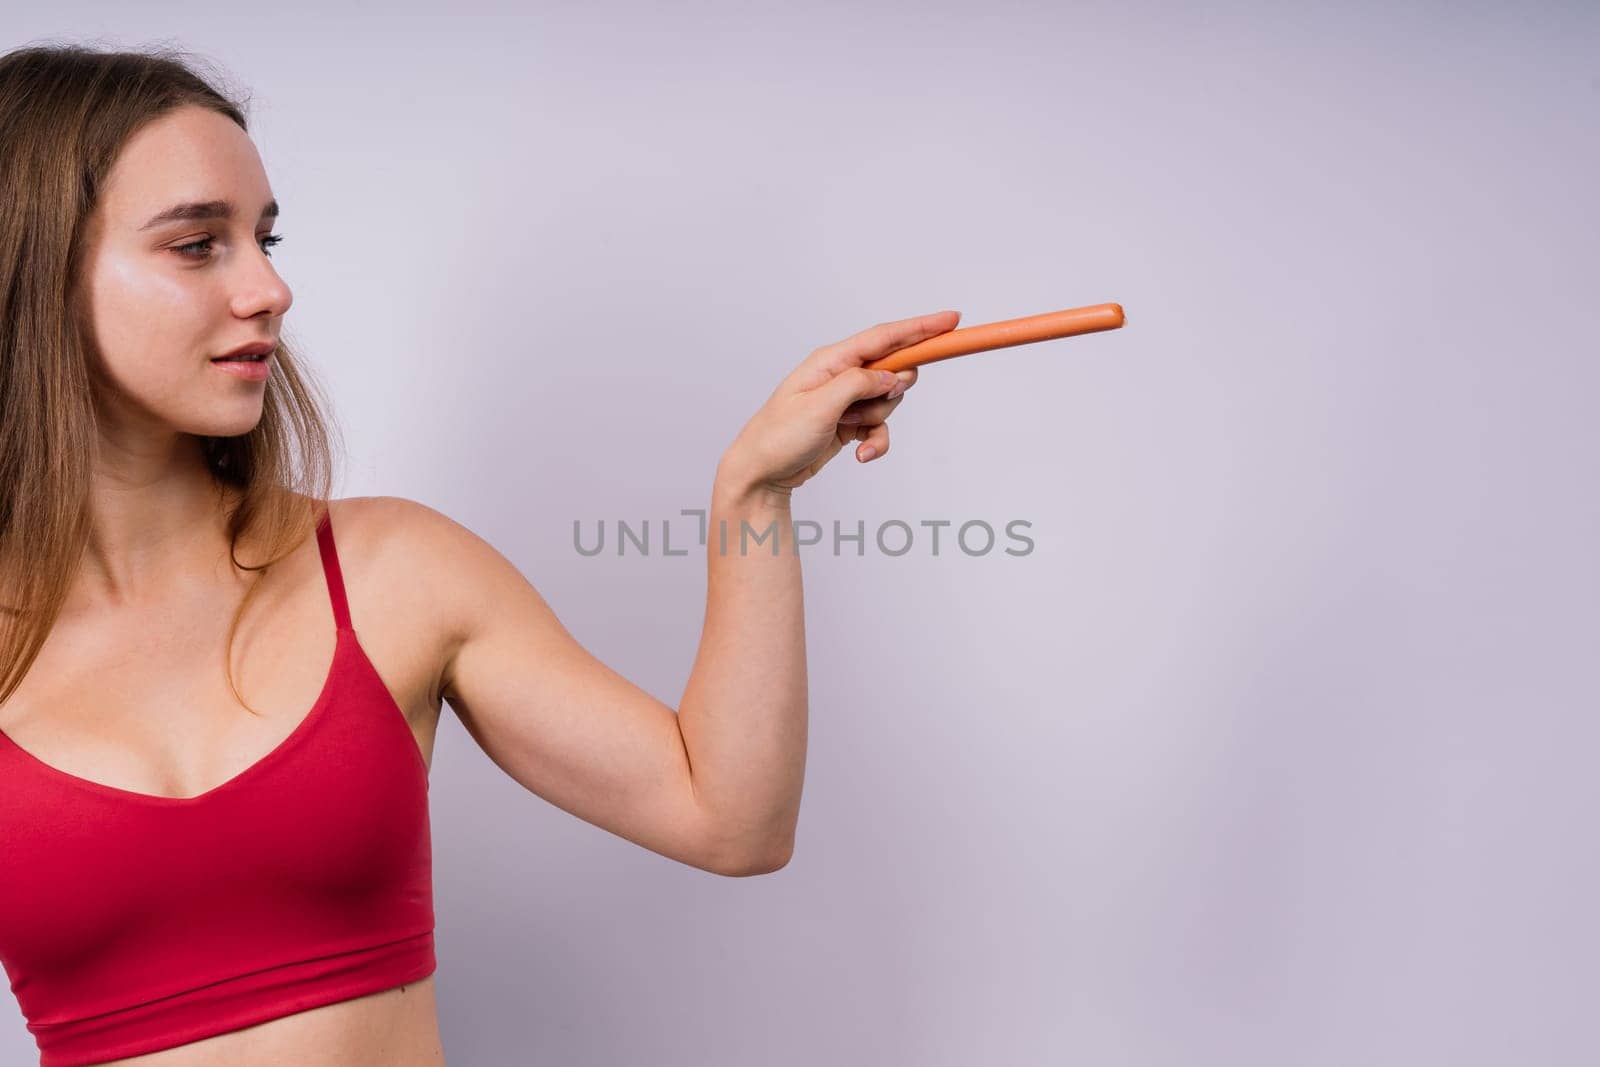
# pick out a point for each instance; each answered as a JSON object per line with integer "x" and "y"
{"x": 192, "y": 153}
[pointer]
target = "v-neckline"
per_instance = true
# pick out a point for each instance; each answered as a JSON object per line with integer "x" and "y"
{"x": 302, "y": 727}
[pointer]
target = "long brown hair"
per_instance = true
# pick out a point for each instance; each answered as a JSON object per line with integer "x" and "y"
{"x": 66, "y": 110}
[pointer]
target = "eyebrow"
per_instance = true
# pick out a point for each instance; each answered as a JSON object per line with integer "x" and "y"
{"x": 205, "y": 209}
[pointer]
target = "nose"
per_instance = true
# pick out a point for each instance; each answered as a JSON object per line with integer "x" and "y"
{"x": 261, "y": 289}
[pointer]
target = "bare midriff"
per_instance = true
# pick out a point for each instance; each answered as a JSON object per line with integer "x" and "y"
{"x": 394, "y": 1028}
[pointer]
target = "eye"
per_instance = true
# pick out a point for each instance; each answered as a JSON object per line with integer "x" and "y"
{"x": 203, "y": 246}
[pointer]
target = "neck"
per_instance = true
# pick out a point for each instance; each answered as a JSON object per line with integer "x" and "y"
{"x": 152, "y": 532}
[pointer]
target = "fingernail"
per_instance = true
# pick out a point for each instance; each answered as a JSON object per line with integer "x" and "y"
{"x": 867, "y": 453}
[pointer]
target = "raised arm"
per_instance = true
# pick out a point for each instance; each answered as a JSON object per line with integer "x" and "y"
{"x": 551, "y": 715}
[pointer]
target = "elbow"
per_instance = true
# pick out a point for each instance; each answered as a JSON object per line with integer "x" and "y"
{"x": 768, "y": 862}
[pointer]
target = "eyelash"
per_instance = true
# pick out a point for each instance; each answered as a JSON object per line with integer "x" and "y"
{"x": 271, "y": 240}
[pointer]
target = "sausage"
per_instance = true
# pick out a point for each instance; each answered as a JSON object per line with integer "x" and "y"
{"x": 1003, "y": 334}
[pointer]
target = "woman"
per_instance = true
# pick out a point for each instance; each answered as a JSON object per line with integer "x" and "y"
{"x": 183, "y": 883}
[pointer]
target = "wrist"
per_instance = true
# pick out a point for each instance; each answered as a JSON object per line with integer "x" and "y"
{"x": 735, "y": 487}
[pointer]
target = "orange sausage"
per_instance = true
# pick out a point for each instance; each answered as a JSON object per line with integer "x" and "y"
{"x": 1004, "y": 334}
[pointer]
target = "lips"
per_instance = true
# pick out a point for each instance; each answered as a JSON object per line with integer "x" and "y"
{"x": 254, "y": 351}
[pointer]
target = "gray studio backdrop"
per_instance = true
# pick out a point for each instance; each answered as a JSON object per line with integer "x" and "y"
{"x": 1275, "y": 747}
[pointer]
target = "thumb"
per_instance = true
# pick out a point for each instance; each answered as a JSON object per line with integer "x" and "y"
{"x": 857, "y": 383}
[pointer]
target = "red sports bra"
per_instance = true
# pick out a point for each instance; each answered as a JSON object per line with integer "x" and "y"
{"x": 131, "y": 922}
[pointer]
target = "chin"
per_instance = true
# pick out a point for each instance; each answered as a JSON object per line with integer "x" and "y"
{"x": 234, "y": 423}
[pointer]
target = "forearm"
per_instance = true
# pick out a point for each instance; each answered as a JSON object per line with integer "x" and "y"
{"x": 743, "y": 712}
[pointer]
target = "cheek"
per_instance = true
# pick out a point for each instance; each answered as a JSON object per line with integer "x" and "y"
{"x": 146, "y": 323}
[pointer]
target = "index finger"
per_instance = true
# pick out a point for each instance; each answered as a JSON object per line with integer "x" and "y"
{"x": 825, "y": 363}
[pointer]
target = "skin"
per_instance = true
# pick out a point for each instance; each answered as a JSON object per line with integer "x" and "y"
{"x": 151, "y": 603}
{"x": 154, "y": 593}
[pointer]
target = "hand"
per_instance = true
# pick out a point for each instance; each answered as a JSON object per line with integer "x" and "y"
{"x": 829, "y": 400}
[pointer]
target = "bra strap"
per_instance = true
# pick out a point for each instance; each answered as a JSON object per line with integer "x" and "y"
{"x": 330, "y": 571}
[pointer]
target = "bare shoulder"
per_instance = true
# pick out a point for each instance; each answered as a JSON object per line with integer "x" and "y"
{"x": 438, "y": 567}
{"x": 400, "y": 539}
{"x": 401, "y": 531}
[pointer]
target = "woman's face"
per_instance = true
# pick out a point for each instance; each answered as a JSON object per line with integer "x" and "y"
{"x": 164, "y": 298}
